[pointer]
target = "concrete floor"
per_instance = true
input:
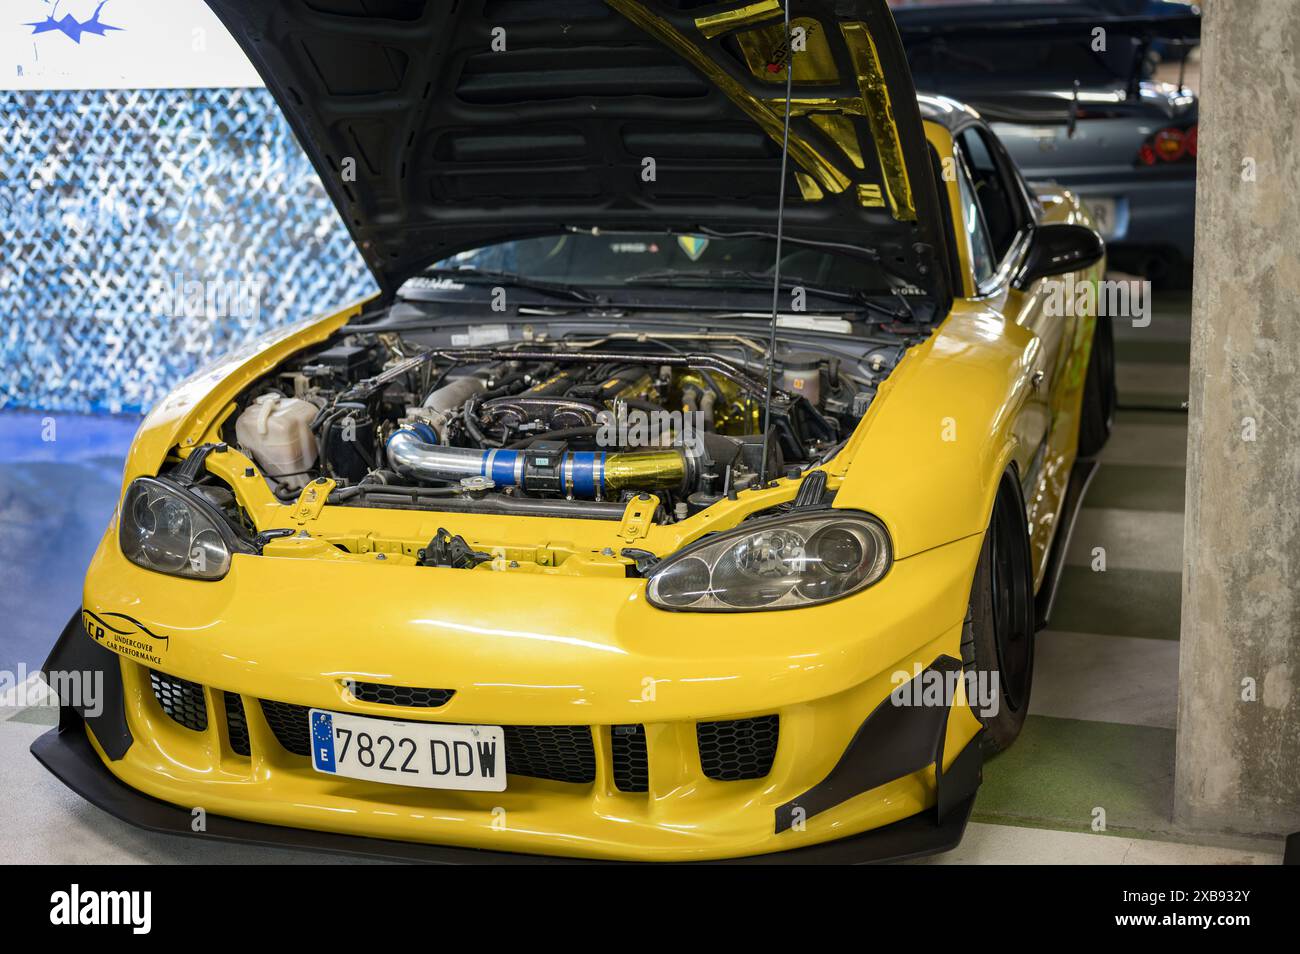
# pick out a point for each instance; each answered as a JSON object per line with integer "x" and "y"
{"x": 1098, "y": 743}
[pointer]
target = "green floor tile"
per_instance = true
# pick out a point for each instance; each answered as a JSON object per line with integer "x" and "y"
{"x": 1126, "y": 416}
{"x": 1146, "y": 445}
{"x": 1118, "y": 602}
{"x": 1137, "y": 487}
{"x": 1151, "y": 384}
{"x": 1154, "y": 352}
{"x": 1061, "y": 770}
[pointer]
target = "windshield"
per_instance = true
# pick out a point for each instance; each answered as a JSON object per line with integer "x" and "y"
{"x": 653, "y": 259}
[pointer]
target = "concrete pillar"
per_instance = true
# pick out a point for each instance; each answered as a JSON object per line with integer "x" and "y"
{"x": 1238, "y": 762}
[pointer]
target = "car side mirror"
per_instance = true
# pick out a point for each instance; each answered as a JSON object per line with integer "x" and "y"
{"x": 1057, "y": 249}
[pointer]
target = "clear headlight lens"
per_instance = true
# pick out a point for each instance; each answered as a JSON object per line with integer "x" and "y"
{"x": 165, "y": 529}
{"x": 779, "y": 563}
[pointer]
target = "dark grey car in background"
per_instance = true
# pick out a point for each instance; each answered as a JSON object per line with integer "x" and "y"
{"x": 1095, "y": 120}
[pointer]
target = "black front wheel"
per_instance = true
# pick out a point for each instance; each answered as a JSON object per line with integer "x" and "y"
{"x": 1000, "y": 625}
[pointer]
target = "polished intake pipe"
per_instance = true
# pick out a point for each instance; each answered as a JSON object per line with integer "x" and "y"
{"x": 588, "y": 474}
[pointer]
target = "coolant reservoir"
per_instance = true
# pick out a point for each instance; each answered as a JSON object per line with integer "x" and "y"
{"x": 276, "y": 431}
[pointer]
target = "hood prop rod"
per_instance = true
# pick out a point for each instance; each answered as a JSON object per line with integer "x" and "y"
{"x": 780, "y": 233}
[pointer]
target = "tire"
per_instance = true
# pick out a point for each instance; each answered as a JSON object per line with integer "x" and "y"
{"x": 998, "y": 641}
{"x": 1099, "y": 394}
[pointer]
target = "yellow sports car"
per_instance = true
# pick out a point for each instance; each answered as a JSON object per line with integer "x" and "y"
{"x": 691, "y": 490}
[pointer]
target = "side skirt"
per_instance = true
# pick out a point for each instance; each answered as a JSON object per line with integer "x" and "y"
{"x": 1080, "y": 477}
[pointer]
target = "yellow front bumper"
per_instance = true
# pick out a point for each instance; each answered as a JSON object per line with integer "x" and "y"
{"x": 525, "y": 650}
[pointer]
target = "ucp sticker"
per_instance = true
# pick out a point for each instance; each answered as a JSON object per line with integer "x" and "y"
{"x": 125, "y": 636}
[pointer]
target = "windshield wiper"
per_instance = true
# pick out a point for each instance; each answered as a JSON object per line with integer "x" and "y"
{"x": 856, "y": 251}
{"x": 740, "y": 278}
{"x": 480, "y": 276}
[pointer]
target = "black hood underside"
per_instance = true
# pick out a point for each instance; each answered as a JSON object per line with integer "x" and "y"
{"x": 443, "y": 125}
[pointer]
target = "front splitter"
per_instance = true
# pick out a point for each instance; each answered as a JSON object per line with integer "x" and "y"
{"x": 68, "y": 754}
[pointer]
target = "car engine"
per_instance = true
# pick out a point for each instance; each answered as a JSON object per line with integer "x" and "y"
{"x": 575, "y": 428}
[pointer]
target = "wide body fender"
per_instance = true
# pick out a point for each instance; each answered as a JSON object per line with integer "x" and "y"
{"x": 928, "y": 457}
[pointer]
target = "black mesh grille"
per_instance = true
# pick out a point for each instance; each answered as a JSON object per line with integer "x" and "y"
{"x": 236, "y": 724}
{"x": 289, "y": 724}
{"x": 739, "y": 749}
{"x": 563, "y": 753}
{"x": 399, "y": 695}
{"x": 631, "y": 767}
{"x": 180, "y": 699}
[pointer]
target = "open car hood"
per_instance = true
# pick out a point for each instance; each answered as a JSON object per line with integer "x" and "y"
{"x": 438, "y": 126}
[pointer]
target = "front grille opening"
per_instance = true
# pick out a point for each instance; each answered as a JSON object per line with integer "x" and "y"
{"x": 631, "y": 765}
{"x": 288, "y": 723}
{"x": 387, "y": 695}
{"x": 236, "y": 724}
{"x": 561, "y": 753}
{"x": 180, "y": 699}
{"x": 739, "y": 749}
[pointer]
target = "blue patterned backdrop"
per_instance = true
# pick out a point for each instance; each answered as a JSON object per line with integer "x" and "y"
{"x": 112, "y": 201}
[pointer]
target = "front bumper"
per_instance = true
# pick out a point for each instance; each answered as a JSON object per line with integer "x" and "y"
{"x": 847, "y": 761}
{"x": 69, "y": 755}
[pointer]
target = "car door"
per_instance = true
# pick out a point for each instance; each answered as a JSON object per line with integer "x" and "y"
{"x": 999, "y": 220}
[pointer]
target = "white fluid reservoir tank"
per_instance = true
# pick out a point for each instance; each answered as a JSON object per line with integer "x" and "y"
{"x": 276, "y": 431}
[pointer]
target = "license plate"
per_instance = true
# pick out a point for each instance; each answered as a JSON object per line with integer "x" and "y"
{"x": 1102, "y": 213}
{"x": 469, "y": 758}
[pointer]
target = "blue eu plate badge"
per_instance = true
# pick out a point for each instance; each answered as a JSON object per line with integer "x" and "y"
{"x": 322, "y": 740}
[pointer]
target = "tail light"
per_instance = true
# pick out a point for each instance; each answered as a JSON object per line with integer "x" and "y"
{"x": 1169, "y": 145}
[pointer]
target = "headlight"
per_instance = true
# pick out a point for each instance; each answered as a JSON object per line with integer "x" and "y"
{"x": 165, "y": 529}
{"x": 780, "y": 563}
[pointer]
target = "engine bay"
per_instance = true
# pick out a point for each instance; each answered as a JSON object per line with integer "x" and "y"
{"x": 573, "y": 426}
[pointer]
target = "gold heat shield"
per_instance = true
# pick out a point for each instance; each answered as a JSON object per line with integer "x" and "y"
{"x": 843, "y": 135}
{"x": 645, "y": 470}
